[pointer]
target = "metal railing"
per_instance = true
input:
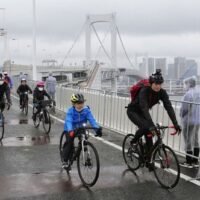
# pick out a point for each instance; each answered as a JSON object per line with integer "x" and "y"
{"x": 109, "y": 111}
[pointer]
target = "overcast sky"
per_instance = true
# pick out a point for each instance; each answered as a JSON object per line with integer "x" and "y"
{"x": 162, "y": 28}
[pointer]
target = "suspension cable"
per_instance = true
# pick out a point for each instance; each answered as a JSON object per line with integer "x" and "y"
{"x": 120, "y": 38}
{"x": 98, "y": 51}
{"x": 73, "y": 44}
{"x": 101, "y": 42}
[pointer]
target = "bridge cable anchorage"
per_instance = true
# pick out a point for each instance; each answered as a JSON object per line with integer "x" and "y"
{"x": 126, "y": 54}
{"x": 105, "y": 36}
{"x": 100, "y": 42}
{"x": 73, "y": 44}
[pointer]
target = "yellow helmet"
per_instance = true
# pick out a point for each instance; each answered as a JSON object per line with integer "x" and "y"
{"x": 77, "y": 98}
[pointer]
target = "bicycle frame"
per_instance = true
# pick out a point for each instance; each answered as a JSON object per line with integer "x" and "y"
{"x": 155, "y": 146}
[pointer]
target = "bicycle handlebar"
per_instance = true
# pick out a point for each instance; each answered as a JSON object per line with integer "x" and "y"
{"x": 163, "y": 128}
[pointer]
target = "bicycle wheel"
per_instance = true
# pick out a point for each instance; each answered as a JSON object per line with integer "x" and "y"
{"x": 61, "y": 145}
{"x": 37, "y": 121}
{"x": 167, "y": 171}
{"x": 26, "y": 107}
{"x": 131, "y": 158}
{"x": 88, "y": 165}
{"x": 1, "y": 126}
{"x": 46, "y": 122}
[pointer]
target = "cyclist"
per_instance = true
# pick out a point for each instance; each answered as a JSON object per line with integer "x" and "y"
{"x": 38, "y": 95}
{"x": 76, "y": 116}
{"x": 22, "y": 89}
{"x": 138, "y": 110}
{"x": 3, "y": 91}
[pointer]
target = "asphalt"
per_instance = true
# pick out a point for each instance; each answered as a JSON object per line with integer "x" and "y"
{"x": 30, "y": 168}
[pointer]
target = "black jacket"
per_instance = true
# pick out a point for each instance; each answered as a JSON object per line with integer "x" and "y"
{"x": 147, "y": 98}
{"x": 4, "y": 90}
{"x": 39, "y": 95}
{"x": 23, "y": 88}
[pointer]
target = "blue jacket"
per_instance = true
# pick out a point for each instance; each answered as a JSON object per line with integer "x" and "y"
{"x": 75, "y": 119}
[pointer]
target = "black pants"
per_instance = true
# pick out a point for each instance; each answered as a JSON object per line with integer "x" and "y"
{"x": 39, "y": 108}
{"x": 143, "y": 125}
{"x": 68, "y": 147}
{"x": 2, "y": 105}
{"x": 21, "y": 97}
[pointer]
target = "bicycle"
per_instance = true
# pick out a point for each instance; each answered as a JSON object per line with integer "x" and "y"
{"x": 163, "y": 159}
{"x": 24, "y": 106}
{"x": 2, "y": 122}
{"x": 86, "y": 155}
{"x": 46, "y": 121}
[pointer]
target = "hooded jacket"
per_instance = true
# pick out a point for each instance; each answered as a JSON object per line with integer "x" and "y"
{"x": 75, "y": 119}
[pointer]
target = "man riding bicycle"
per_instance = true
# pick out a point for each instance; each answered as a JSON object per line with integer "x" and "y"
{"x": 4, "y": 90}
{"x": 76, "y": 116}
{"x": 22, "y": 89}
{"x": 138, "y": 110}
{"x": 38, "y": 95}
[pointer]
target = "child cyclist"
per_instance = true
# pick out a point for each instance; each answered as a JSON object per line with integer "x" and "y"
{"x": 22, "y": 89}
{"x": 76, "y": 116}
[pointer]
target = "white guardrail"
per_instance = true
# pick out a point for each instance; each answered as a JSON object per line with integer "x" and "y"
{"x": 110, "y": 112}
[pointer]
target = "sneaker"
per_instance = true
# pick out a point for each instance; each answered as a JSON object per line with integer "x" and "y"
{"x": 134, "y": 146}
{"x": 66, "y": 166}
{"x": 186, "y": 165}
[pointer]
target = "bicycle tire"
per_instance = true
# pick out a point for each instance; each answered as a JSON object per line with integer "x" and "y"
{"x": 26, "y": 107}
{"x": 48, "y": 128}
{"x": 131, "y": 158}
{"x": 2, "y": 128}
{"x": 168, "y": 164}
{"x": 89, "y": 164}
{"x": 61, "y": 144}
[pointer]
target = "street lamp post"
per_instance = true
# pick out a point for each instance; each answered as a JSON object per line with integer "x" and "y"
{"x": 34, "y": 43}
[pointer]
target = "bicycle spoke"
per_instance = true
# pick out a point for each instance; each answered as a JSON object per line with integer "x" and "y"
{"x": 168, "y": 170}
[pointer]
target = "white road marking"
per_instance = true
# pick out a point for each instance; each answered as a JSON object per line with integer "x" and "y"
{"x": 183, "y": 176}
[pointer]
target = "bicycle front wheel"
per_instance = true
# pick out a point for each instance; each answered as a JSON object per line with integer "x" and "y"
{"x": 26, "y": 107}
{"x": 88, "y": 165}
{"x": 131, "y": 158}
{"x": 167, "y": 169}
{"x": 1, "y": 126}
{"x": 46, "y": 122}
{"x": 61, "y": 145}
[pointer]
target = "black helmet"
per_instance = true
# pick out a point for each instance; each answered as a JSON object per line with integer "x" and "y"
{"x": 156, "y": 78}
{"x": 77, "y": 98}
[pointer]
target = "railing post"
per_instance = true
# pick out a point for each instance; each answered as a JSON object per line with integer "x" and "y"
{"x": 104, "y": 108}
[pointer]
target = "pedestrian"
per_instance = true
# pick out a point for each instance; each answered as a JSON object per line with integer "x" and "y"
{"x": 51, "y": 85}
{"x": 190, "y": 117}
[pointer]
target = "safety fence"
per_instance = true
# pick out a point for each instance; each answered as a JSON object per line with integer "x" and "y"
{"x": 110, "y": 112}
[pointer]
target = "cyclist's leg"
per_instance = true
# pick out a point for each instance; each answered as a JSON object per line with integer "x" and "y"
{"x": 67, "y": 148}
{"x": 20, "y": 99}
{"x": 38, "y": 109}
{"x": 140, "y": 121}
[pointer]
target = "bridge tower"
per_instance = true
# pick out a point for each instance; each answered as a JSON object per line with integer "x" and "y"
{"x": 92, "y": 19}
{"x": 108, "y": 18}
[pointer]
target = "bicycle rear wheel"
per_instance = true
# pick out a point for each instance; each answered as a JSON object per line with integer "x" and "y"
{"x": 88, "y": 165}
{"x": 130, "y": 156}
{"x": 46, "y": 122}
{"x": 1, "y": 126}
{"x": 167, "y": 171}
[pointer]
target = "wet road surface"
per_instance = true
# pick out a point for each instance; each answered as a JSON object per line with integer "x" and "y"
{"x": 30, "y": 168}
